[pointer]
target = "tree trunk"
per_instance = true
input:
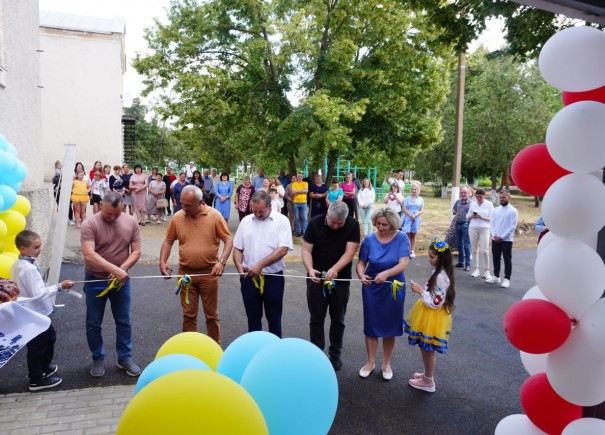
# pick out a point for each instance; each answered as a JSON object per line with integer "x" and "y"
{"x": 536, "y": 201}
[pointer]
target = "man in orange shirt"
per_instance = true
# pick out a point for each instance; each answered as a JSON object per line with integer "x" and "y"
{"x": 199, "y": 229}
{"x": 300, "y": 189}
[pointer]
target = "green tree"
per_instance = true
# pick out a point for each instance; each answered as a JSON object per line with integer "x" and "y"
{"x": 368, "y": 86}
{"x": 155, "y": 143}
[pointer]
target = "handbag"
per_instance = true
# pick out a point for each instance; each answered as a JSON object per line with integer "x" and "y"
{"x": 161, "y": 203}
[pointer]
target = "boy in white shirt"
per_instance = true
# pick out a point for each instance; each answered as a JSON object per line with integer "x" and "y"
{"x": 27, "y": 276}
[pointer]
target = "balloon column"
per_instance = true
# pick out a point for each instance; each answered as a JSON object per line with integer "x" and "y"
{"x": 559, "y": 326}
{"x": 13, "y": 207}
{"x": 261, "y": 384}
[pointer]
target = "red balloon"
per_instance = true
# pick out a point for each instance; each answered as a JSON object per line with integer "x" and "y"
{"x": 534, "y": 170}
{"x": 536, "y": 326}
{"x": 597, "y": 94}
{"x": 544, "y": 407}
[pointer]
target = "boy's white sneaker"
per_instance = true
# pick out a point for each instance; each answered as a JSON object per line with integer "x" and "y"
{"x": 487, "y": 275}
{"x": 505, "y": 283}
{"x": 475, "y": 273}
{"x": 493, "y": 280}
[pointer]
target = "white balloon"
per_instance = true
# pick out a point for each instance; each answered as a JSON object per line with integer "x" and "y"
{"x": 574, "y": 206}
{"x": 533, "y": 363}
{"x": 549, "y": 238}
{"x": 576, "y": 372}
{"x": 585, "y": 426}
{"x": 570, "y": 275}
{"x": 575, "y": 136}
{"x": 517, "y": 424}
{"x": 574, "y": 59}
{"x": 534, "y": 293}
{"x": 592, "y": 326}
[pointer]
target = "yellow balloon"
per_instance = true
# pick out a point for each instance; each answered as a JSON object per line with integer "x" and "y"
{"x": 192, "y": 402}
{"x": 9, "y": 245}
{"x": 15, "y": 221}
{"x": 22, "y": 205}
{"x": 3, "y": 230}
{"x": 5, "y": 266}
{"x": 195, "y": 344}
{"x": 11, "y": 255}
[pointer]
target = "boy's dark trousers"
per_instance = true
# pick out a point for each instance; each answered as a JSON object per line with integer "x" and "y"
{"x": 40, "y": 352}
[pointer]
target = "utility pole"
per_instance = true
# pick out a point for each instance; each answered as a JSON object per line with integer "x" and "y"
{"x": 458, "y": 127}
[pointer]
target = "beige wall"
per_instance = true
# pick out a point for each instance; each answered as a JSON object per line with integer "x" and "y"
{"x": 19, "y": 91}
{"x": 81, "y": 75}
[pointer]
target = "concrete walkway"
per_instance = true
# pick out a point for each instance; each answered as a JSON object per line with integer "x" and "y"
{"x": 85, "y": 411}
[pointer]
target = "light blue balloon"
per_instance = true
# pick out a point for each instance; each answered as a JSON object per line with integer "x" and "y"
{"x": 295, "y": 387}
{"x": 3, "y": 142}
{"x": 236, "y": 357}
{"x": 11, "y": 149}
{"x": 168, "y": 364}
{"x": 2, "y": 204}
{"x": 7, "y": 163}
{"x": 9, "y": 197}
{"x": 19, "y": 171}
{"x": 15, "y": 186}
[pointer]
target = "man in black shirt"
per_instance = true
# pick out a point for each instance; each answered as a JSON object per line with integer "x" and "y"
{"x": 329, "y": 244}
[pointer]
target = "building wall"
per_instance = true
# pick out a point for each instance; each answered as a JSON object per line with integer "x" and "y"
{"x": 20, "y": 110}
{"x": 20, "y": 119}
{"x": 81, "y": 75}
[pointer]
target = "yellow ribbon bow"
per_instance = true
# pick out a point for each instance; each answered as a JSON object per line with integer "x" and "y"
{"x": 114, "y": 284}
{"x": 396, "y": 289}
{"x": 183, "y": 283}
{"x": 259, "y": 282}
{"x": 329, "y": 286}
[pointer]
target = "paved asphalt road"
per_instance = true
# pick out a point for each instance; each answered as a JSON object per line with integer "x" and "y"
{"x": 478, "y": 381}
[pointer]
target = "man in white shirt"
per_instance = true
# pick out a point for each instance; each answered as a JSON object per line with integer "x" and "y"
{"x": 398, "y": 181}
{"x": 261, "y": 242}
{"x": 189, "y": 170}
{"x": 503, "y": 225}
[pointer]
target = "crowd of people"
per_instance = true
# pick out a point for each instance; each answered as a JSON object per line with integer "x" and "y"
{"x": 272, "y": 210}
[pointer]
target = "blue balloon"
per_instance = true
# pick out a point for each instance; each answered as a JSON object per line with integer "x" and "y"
{"x": 295, "y": 386}
{"x": 7, "y": 163}
{"x": 2, "y": 204}
{"x": 3, "y": 142}
{"x": 236, "y": 357}
{"x": 19, "y": 171}
{"x": 15, "y": 186}
{"x": 11, "y": 149}
{"x": 9, "y": 197}
{"x": 168, "y": 364}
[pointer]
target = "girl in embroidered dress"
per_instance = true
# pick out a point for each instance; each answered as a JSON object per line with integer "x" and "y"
{"x": 429, "y": 321}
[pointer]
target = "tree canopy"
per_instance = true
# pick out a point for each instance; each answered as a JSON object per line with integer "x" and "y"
{"x": 256, "y": 81}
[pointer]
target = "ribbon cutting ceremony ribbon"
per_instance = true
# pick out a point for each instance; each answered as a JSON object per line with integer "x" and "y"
{"x": 183, "y": 283}
{"x": 329, "y": 286}
{"x": 259, "y": 282}
{"x": 113, "y": 285}
{"x": 396, "y": 289}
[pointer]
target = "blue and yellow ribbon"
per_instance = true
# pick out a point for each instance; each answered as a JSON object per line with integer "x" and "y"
{"x": 259, "y": 282}
{"x": 183, "y": 283}
{"x": 329, "y": 286}
{"x": 397, "y": 289}
{"x": 114, "y": 284}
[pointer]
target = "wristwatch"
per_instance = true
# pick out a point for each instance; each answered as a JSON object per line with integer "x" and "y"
{"x": 222, "y": 261}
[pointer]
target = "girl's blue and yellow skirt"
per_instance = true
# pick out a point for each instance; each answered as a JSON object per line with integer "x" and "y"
{"x": 428, "y": 328}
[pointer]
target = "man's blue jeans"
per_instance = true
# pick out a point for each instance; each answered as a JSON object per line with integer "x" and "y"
{"x": 300, "y": 217}
{"x": 464, "y": 244}
{"x": 95, "y": 309}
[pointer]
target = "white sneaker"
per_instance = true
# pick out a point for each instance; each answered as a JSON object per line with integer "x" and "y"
{"x": 475, "y": 273}
{"x": 505, "y": 283}
{"x": 493, "y": 280}
{"x": 412, "y": 255}
{"x": 164, "y": 219}
{"x": 487, "y": 275}
{"x": 71, "y": 222}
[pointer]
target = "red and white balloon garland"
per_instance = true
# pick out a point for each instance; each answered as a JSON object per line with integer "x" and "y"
{"x": 559, "y": 326}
